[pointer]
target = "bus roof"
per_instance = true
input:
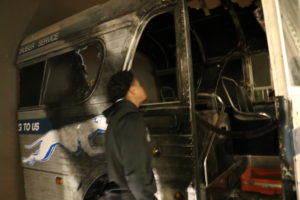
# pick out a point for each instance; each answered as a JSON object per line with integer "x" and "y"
{"x": 88, "y": 18}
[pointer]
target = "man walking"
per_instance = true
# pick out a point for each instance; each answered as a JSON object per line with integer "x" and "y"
{"x": 127, "y": 142}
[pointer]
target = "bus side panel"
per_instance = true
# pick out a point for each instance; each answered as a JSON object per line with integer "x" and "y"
{"x": 42, "y": 185}
{"x": 73, "y": 165}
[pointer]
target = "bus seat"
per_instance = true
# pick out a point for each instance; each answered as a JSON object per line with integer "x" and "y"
{"x": 215, "y": 151}
{"x": 240, "y": 102}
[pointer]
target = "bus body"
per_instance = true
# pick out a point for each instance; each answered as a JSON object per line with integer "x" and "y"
{"x": 221, "y": 96}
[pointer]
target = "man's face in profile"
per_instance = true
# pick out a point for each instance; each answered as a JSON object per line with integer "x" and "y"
{"x": 139, "y": 92}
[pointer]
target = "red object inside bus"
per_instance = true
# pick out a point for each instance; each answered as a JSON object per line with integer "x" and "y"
{"x": 261, "y": 180}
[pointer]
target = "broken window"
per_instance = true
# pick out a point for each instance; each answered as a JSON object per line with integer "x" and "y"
{"x": 91, "y": 56}
{"x": 68, "y": 78}
{"x": 72, "y": 76}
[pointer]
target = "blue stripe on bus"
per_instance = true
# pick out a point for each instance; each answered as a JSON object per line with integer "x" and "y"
{"x": 50, "y": 152}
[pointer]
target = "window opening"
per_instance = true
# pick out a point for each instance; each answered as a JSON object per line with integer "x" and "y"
{"x": 30, "y": 84}
{"x": 72, "y": 76}
{"x": 90, "y": 57}
{"x": 155, "y": 59}
{"x": 262, "y": 85}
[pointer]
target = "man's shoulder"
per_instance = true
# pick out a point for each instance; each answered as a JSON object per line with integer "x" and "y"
{"x": 132, "y": 117}
{"x": 119, "y": 110}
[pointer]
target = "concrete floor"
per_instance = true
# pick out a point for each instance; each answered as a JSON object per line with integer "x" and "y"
{"x": 17, "y": 19}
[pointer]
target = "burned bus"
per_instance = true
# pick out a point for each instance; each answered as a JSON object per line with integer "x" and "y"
{"x": 222, "y": 79}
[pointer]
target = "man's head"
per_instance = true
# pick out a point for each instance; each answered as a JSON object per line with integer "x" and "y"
{"x": 123, "y": 85}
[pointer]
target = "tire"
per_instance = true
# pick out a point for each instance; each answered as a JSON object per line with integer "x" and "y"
{"x": 97, "y": 190}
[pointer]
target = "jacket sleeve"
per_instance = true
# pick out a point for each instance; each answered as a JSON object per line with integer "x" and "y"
{"x": 136, "y": 157}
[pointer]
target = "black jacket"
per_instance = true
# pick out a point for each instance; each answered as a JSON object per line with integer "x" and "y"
{"x": 128, "y": 151}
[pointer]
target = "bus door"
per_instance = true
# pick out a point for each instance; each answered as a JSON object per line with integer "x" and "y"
{"x": 162, "y": 64}
{"x": 282, "y": 20}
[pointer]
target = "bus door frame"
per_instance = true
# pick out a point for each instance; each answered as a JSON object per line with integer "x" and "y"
{"x": 287, "y": 99}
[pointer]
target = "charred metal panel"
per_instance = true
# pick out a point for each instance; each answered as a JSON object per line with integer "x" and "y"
{"x": 187, "y": 84}
{"x": 150, "y": 10}
{"x": 86, "y": 19}
{"x": 286, "y": 146}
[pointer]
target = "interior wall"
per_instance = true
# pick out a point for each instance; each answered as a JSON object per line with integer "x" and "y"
{"x": 14, "y": 17}
{"x": 18, "y": 18}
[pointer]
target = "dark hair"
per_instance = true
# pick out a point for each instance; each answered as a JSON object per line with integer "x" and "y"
{"x": 119, "y": 84}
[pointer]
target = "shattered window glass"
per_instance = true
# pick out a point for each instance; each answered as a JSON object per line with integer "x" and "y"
{"x": 290, "y": 21}
{"x": 90, "y": 60}
{"x": 72, "y": 76}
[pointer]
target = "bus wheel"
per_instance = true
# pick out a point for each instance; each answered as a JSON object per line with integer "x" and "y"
{"x": 97, "y": 189}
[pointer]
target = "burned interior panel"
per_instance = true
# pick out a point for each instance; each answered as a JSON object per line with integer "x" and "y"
{"x": 225, "y": 44}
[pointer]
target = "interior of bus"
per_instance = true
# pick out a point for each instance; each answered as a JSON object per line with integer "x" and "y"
{"x": 232, "y": 86}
